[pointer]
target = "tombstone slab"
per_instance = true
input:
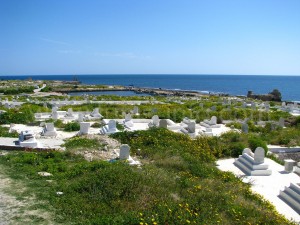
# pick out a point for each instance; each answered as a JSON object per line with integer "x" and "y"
{"x": 124, "y": 152}
{"x": 259, "y": 155}
{"x": 84, "y": 127}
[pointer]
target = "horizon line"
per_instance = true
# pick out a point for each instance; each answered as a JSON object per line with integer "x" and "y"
{"x": 155, "y": 74}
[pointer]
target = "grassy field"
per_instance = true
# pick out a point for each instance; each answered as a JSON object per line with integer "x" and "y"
{"x": 178, "y": 183}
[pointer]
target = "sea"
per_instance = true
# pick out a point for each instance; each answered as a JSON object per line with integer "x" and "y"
{"x": 289, "y": 86}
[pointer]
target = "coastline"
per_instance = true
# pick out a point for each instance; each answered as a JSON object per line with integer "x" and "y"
{"x": 146, "y": 90}
{"x": 234, "y": 85}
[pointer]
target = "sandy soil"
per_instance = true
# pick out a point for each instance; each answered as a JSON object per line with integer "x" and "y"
{"x": 14, "y": 210}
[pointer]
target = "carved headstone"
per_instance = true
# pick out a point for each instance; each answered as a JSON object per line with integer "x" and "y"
{"x": 80, "y": 117}
{"x": 112, "y": 126}
{"x": 155, "y": 120}
{"x": 259, "y": 155}
{"x": 84, "y": 127}
{"x": 124, "y": 152}
{"x": 213, "y": 120}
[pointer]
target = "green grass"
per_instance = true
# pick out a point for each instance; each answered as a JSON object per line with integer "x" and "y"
{"x": 177, "y": 184}
{"x": 77, "y": 143}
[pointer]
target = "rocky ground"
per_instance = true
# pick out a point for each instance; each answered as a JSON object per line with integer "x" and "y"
{"x": 109, "y": 150}
{"x": 17, "y": 207}
{"x": 293, "y": 155}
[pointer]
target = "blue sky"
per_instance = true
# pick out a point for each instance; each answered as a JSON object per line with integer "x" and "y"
{"x": 150, "y": 37}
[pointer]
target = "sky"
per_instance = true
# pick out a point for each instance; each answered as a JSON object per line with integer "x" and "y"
{"x": 51, "y": 37}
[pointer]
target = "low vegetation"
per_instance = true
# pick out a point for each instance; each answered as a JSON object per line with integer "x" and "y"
{"x": 177, "y": 184}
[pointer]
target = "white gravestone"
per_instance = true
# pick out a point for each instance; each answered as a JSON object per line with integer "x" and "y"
{"x": 49, "y": 130}
{"x": 213, "y": 120}
{"x": 248, "y": 151}
{"x": 69, "y": 112}
{"x": 112, "y": 126}
{"x": 259, "y": 155}
{"x": 128, "y": 120}
{"x": 80, "y": 117}
{"x": 84, "y": 127}
{"x": 155, "y": 120}
{"x": 96, "y": 113}
{"x": 289, "y": 165}
{"x": 124, "y": 152}
{"x": 128, "y": 117}
{"x": 55, "y": 115}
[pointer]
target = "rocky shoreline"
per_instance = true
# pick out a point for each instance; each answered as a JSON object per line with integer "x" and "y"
{"x": 139, "y": 90}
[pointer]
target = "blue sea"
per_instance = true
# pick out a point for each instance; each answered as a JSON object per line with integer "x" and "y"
{"x": 229, "y": 84}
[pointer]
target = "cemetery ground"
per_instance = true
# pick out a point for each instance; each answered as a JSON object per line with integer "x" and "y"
{"x": 177, "y": 183}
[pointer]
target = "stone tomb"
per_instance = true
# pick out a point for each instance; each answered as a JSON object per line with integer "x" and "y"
{"x": 291, "y": 195}
{"x": 154, "y": 122}
{"x": 96, "y": 114}
{"x": 49, "y": 130}
{"x": 289, "y": 165}
{"x": 252, "y": 164}
{"x": 110, "y": 128}
{"x": 84, "y": 127}
{"x": 80, "y": 117}
{"x": 212, "y": 123}
{"x": 55, "y": 115}
{"x": 128, "y": 121}
{"x": 70, "y": 113}
{"x": 188, "y": 126}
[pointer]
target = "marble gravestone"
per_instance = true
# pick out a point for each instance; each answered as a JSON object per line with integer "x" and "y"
{"x": 124, "y": 152}
{"x": 259, "y": 155}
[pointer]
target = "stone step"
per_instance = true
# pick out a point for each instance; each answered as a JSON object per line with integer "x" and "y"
{"x": 243, "y": 167}
{"x": 288, "y": 198}
{"x": 246, "y": 159}
{"x": 295, "y": 188}
{"x": 293, "y": 194}
{"x": 248, "y": 170}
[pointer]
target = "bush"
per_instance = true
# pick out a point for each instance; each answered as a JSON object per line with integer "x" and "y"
{"x": 4, "y": 132}
{"x": 16, "y": 116}
{"x": 73, "y": 126}
{"x": 59, "y": 124}
{"x": 255, "y": 141}
{"x": 81, "y": 143}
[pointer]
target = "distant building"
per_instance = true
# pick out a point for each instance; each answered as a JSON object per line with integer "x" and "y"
{"x": 275, "y": 95}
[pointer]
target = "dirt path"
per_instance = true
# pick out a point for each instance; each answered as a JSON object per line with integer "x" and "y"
{"x": 18, "y": 209}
